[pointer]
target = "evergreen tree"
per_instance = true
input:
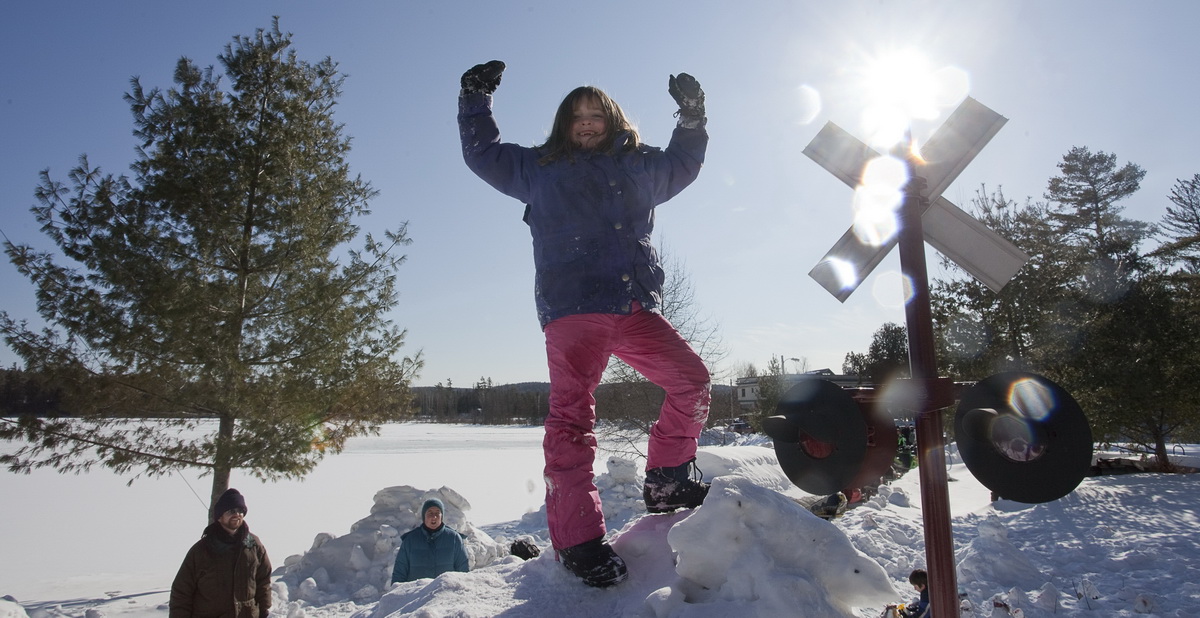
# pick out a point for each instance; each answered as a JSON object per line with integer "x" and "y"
{"x": 1139, "y": 357}
{"x": 1140, "y": 360}
{"x": 217, "y": 283}
{"x": 1181, "y": 226}
{"x": 887, "y": 356}
{"x": 981, "y": 332}
{"x": 1086, "y": 211}
{"x": 856, "y": 364}
{"x": 772, "y": 386}
{"x": 1089, "y": 310}
{"x": 1085, "y": 205}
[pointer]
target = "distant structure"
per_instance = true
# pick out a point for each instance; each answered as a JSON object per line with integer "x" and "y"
{"x": 747, "y": 388}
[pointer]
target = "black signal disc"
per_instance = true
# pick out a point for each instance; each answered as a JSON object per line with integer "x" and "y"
{"x": 820, "y": 436}
{"x": 1023, "y": 437}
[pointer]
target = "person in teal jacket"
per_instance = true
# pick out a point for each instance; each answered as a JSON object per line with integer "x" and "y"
{"x": 431, "y": 548}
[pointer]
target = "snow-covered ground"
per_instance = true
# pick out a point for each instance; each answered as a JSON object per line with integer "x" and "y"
{"x": 89, "y": 544}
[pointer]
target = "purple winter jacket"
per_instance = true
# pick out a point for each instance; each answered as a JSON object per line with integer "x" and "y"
{"x": 590, "y": 218}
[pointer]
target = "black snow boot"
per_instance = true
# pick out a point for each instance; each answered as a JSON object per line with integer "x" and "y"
{"x": 668, "y": 489}
{"x": 595, "y": 563}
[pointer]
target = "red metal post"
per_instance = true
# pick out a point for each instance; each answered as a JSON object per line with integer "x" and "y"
{"x": 935, "y": 502}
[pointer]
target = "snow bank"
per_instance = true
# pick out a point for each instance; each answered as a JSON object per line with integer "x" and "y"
{"x": 749, "y": 550}
{"x": 9, "y": 609}
{"x": 358, "y": 565}
{"x": 1116, "y": 546}
{"x": 749, "y": 544}
{"x": 991, "y": 557}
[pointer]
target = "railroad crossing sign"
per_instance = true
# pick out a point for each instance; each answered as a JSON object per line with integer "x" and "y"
{"x": 924, "y": 216}
{"x": 1021, "y": 434}
{"x": 956, "y": 234}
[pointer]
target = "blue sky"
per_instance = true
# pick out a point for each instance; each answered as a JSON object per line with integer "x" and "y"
{"x": 1112, "y": 76}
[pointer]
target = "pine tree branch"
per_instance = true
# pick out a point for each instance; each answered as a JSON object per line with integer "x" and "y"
{"x": 42, "y": 430}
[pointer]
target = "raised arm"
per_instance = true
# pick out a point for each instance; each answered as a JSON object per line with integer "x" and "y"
{"x": 679, "y": 165}
{"x": 506, "y": 167}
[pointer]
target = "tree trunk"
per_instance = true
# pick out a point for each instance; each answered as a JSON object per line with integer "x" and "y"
{"x": 222, "y": 464}
{"x": 1160, "y": 453}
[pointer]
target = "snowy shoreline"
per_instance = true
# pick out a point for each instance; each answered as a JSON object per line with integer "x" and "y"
{"x": 89, "y": 542}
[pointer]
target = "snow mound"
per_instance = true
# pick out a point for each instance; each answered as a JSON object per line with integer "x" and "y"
{"x": 991, "y": 557}
{"x": 730, "y": 553}
{"x": 9, "y": 609}
{"x": 358, "y": 565}
{"x": 748, "y": 551}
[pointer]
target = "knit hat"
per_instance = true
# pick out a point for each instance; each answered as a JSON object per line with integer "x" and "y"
{"x": 430, "y": 503}
{"x": 231, "y": 499}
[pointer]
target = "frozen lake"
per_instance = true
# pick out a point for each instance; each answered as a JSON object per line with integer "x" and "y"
{"x": 46, "y": 510}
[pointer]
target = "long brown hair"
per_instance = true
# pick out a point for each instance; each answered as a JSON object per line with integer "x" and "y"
{"x": 560, "y": 146}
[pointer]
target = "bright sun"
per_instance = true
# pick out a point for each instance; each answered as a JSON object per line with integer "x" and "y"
{"x": 897, "y": 88}
{"x": 900, "y": 87}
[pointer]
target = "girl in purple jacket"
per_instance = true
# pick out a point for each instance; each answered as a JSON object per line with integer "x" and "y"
{"x": 590, "y": 193}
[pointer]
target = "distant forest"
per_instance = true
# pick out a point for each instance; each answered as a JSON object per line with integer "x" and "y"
{"x": 526, "y": 402}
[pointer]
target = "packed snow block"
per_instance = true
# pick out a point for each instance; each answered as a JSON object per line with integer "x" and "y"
{"x": 320, "y": 539}
{"x": 366, "y": 594}
{"x": 1047, "y": 599}
{"x": 451, "y": 594}
{"x": 750, "y": 544}
{"x": 1017, "y": 599}
{"x": 309, "y": 591}
{"x": 756, "y": 463}
{"x": 897, "y": 497}
{"x": 9, "y": 609}
{"x": 358, "y": 565}
{"x": 279, "y": 594}
{"x": 992, "y": 558}
{"x": 623, "y": 471}
{"x": 620, "y": 492}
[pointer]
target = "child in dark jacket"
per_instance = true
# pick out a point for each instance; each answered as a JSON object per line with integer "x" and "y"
{"x": 590, "y": 193}
{"x": 920, "y": 608}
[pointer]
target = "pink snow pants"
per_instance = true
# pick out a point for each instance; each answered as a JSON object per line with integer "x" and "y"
{"x": 578, "y": 348}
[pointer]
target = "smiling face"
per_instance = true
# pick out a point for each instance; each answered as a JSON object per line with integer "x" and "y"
{"x": 231, "y": 520}
{"x": 589, "y": 125}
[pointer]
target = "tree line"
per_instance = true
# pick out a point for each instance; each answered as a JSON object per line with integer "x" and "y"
{"x": 1107, "y": 306}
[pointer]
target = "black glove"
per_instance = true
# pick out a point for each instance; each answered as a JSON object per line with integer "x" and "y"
{"x": 687, "y": 93}
{"x": 483, "y": 78}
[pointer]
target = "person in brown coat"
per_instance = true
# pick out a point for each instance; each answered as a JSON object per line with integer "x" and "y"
{"x": 226, "y": 574}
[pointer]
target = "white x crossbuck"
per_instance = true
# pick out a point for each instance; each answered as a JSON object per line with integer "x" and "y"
{"x": 956, "y": 234}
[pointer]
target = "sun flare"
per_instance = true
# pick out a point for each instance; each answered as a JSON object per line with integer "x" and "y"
{"x": 902, "y": 86}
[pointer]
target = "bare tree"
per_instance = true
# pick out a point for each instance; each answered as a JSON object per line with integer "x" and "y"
{"x": 626, "y": 400}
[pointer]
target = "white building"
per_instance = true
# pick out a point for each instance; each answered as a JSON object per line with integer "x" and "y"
{"x": 746, "y": 389}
